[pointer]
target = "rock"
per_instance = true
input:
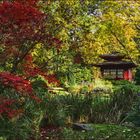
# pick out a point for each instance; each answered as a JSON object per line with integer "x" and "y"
{"x": 82, "y": 126}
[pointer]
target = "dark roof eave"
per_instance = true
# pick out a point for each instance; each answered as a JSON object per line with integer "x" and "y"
{"x": 116, "y": 65}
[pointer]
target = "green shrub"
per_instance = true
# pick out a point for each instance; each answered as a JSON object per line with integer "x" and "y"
{"x": 62, "y": 109}
{"x": 134, "y": 115}
{"x": 137, "y": 76}
{"x": 75, "y": 74}
{"x": 96, "y": 107}
{"x": 77, "y": 106}
{"x": 22, "y": 124}
{"x": 102, "y": 132}
{"x": 120, "y": 82}
{"x": 55, "y": 112}
{"x": 113, "y": 109}
{"x": 20, "y": 110}
{"x": 122, "y": 100}
{"x": 104, "y": 85}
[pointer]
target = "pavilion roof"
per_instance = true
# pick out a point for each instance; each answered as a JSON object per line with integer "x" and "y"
{"x": 115, "y": 64}
{"x": 112, "y": 56}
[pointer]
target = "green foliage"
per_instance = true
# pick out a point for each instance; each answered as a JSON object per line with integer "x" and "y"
{"x": 20, "y": 128}
{"x": 55, "y": 112}
{"x": 95, "y": 27}
{"x": 134, "y": 115}
{"x": 137, "y": 76}
{"x": 102, "y": 131}
{"x": 78, "y": 106}
{"x": 25, "y": 124}
{"x": 75, "y": 75}
{"x": 103, "y": 85}
{"x": 97, "y": 107}
{"x": 63, "y": 109}
{"x": 113, "y": 108}
{"x": 39, "y": 83}
{"x": 121, "y": 82}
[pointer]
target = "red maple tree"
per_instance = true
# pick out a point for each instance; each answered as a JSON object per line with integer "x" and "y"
{"x": 22, "y": 26}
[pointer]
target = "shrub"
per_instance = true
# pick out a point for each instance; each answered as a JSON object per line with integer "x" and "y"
{"x": 120, "y": 82}
{"x": 91, "y": 107}
{"x": 103, "y": 86}
{"x": 55, "y": 113}
{"x": 20, "y": 107}
{"x": 114, "y": 108}
{"x": 134, "y": 115}
{"x": 64, "y": 109}
{"x": 102, "y": 132}
{"x": 122, "y": 100}
{"x": 137, "y": 76}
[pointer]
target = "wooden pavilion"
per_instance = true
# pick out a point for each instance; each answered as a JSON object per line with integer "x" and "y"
{"x": 116, "y": 67}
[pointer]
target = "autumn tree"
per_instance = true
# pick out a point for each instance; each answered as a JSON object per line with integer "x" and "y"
{"x": 22, "y": 27}
{"x": 95, "y": 27}
{"x": 62, "y": 22}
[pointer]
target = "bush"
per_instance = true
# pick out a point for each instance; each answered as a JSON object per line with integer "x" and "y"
{"x": 103, "y": 86}
{"x": 114, "y": 108}
{"x": 137, "y": 76}
{"x": 78, "y": 106}
{"x": 102, "y": 132}
{"x": 91, "y": 107}
{"x": 55, "y": 112}
{"x": 21, "y": 109}
{"x": 134, "y": 115}
{"x": 120, "y": 82}
{"x": 122, "y": 100}
{"x": 64, "y": 109}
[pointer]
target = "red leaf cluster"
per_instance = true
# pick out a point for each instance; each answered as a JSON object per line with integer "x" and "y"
{"x": 52, "y": 79}
{"x": 6, "y": 108}
{"x": 21, "y": 23}
{"x": 28, "y": 2}
{"x": 32, "y": 70}
{"x": 19, "y": 84}
{"x": 22, "y": 86}
{"x": 15, "y": 82}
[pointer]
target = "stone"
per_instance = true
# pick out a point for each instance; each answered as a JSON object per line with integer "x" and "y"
{"x": 82, "y": 126}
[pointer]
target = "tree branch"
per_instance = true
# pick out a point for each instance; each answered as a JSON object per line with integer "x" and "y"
{"x": 121, "y": 43}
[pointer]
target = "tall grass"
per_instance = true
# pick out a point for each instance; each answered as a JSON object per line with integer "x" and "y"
{"x": 92, "y": 107}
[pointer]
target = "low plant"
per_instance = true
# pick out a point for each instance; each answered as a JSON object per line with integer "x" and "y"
{"x": 134, "y": 115}
{"x": 102, "y": 131}
{"x": 55, "y": 112}
{"x": 114, "y": 108}
{"x": 78, "y": 106}
{"x": 120, "y": 82}
{"x": 20, "y": 108}
{"x": 96, "y": 107}
{"x": 103, "y": 86}
{"x": 137, "y": 76}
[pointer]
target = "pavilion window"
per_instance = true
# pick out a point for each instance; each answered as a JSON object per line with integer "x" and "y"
{"x": 106, "y": 72}
{"x": 109, "y": 73}
{"x": 113, "y": 73}
{"x": 120, "y": 73}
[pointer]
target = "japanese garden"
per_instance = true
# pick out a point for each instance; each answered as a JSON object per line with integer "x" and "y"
{"x": 69, "y": 70}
